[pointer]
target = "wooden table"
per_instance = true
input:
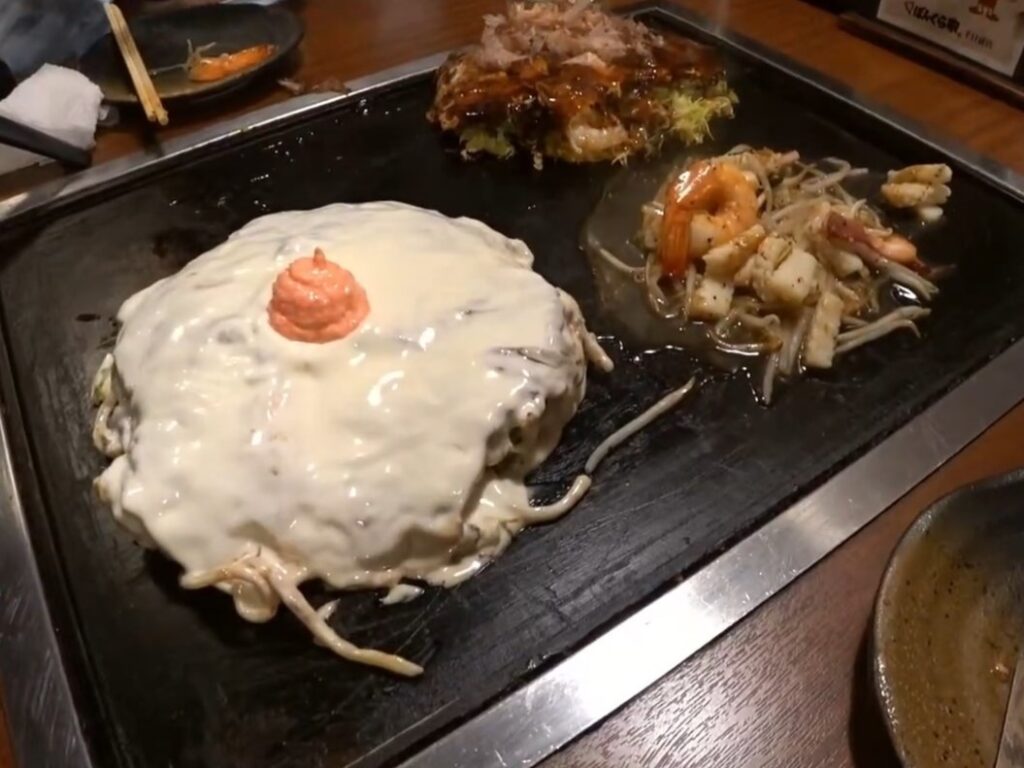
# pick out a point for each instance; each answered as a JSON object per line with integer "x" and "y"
{"x": 788, "y": 687}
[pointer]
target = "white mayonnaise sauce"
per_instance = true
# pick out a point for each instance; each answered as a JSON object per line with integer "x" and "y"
{"x": 396, "y": 452}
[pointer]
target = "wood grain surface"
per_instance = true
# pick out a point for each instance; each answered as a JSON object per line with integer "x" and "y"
{"x": 6, "y": 759}
{"x": 787, "y": 688}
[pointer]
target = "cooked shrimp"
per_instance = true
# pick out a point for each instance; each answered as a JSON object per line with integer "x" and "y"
{"x": 585, "y": 138}
{"x": 709, "y": 204}
{"x": 872, "y": 245}
{"x": 203, "y": 69}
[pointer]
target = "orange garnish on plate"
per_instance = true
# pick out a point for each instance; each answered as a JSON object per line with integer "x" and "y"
{"x": 316, "y": 301}
{"x": 208, "y": 69}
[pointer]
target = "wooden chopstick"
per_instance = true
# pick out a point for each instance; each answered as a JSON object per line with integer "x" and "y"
{"x": 144, "y": 87}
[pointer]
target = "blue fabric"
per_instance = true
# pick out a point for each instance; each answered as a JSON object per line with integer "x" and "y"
{"x": 37, "y": 32}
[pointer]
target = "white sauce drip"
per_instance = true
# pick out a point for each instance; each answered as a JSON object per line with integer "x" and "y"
{"x": 401, "y": 593}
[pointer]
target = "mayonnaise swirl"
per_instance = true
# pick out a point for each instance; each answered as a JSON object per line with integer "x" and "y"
{"x": 316, "y": 300}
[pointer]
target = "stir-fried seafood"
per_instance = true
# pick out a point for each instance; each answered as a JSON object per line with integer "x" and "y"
{"x": 780, "y": 259}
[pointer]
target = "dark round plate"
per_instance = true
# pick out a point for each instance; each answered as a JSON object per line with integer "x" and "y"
{"x": 948, "y": 620}
{"x": 163, "y": 40}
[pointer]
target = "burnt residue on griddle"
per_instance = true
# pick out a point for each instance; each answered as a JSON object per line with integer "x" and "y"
{"x": 177, "y": 246}
{"x": 109, "y": 337}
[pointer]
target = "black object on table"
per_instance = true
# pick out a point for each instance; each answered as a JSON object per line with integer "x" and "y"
{"x": 7, "y": 80}
{"x": 15, "y": 134}
{"x": 21, "y": 136}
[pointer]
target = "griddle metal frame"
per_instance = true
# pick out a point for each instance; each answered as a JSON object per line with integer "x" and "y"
{"x": 546, "y": 713}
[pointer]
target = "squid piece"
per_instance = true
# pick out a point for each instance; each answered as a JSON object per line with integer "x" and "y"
{"x": 794, "y": 280}
{"x": 922, "y": 187}
{"x": 711, "y": 299}
{"x": 724, "y": 261}
{"x": 770, "y": 253}
{"x": 930, "y": 173}
{"x": 910, "y": 194}
{"x": 820, "y": 347}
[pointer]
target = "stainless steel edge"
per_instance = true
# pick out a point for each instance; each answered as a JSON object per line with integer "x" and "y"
{"x": 44, "y": 726}
{"x": 165, "y": 152}
{"x": 547, "y": 713}
{"x": 401, "y": 72}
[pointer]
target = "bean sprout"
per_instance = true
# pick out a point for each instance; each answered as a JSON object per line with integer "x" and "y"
{"x": 276, "y": 583}
{"x": 902, "y": 318}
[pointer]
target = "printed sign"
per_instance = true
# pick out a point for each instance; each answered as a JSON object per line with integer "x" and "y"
{"x": 988, "y": 31}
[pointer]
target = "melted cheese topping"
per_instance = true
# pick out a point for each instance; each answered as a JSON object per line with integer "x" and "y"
{"x": 398, "y": 451}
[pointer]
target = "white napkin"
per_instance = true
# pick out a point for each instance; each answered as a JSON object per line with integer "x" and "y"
{"x": 55, "y": 100}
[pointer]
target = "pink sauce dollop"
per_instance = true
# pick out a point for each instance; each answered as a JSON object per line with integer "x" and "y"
{"x": 316, "y": 301}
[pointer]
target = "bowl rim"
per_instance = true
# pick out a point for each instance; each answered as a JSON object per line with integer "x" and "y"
{"x": 882, "y": 684}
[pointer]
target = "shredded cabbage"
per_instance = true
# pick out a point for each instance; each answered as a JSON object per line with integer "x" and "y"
{"x": 688, "y": 111}
{"x": 691, "y": 113}
{"x": 476, "y": 139}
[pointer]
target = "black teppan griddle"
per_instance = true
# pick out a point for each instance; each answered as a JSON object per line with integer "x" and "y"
{"x": 164, "y": 677}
